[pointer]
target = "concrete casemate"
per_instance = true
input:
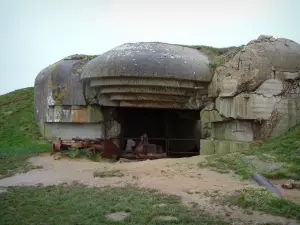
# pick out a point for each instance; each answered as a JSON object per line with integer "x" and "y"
{"x": 253, "y": 96}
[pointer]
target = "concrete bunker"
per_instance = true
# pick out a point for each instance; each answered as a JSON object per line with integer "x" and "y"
{"x": 162, "y": 89}
{"x": 155, "y": 89}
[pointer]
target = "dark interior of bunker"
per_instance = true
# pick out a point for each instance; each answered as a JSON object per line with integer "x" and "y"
{"x": 173, "y": 132}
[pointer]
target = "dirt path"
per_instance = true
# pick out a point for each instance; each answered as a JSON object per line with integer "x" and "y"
{"x": 181, "y": 177}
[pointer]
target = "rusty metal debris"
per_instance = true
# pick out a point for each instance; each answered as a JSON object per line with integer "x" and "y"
{"x": 143, "y": 150}
{"x": 107, "y": 148}
{"x": 144, "y": 156}
{"x": 139, "y": 151}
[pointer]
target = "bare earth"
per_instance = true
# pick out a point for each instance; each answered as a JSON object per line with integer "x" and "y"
{"x": 181, "y": 177}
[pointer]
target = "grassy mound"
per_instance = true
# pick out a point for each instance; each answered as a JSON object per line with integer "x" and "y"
{"x": 282, "y": 149}
{"x": 20, "y": 136}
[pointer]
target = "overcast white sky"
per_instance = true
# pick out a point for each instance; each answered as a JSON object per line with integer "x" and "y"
{"x": 37, "y": 33}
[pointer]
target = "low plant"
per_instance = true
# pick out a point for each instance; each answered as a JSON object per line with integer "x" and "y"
{"x": 261, "y": 199}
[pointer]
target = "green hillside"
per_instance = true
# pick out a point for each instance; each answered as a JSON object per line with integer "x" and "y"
{"x": 20, "y": 136}
{"x": 18, "y": 129}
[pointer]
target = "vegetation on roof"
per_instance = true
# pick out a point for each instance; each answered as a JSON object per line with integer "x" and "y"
{"x": 217, "y": 56}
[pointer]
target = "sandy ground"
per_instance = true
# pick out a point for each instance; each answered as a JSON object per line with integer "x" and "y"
{"x": 181, "y": 177}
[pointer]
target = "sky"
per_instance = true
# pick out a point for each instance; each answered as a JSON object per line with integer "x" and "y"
{"x": 37, "y": 33}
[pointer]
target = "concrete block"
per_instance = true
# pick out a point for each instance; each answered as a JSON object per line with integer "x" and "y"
{"x": 222, "y": 147}
{"x": 270, "y": 88}
{"x": 234, "y": 130}
{"x": 242, "y": 106}
{"x": 211, "y": 116}
{"x": 224, "y": 106}
{"x": 248, "y": 106}
{"x": 237, "y": 146}
{"x": 207, "y": 147}
{"x": 70, "y": 130}
{"x": 210, "y": 147}
{"x": 228, "y": 87}
{"x": 289, "y": 116}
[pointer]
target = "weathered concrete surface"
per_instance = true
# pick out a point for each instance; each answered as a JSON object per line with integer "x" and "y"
{"x": 256, "y": 94}
{"x": 70, "y": 130}
{"x": 250, "y": 106}
{"x": 271, "y": 87}
{"x": 258, "y": 61}
{"x": 150, "y": 59}
{"x": 150, "y": 75}
{"x": 60, "y": 98}
{"x": 234, "y": 130}
{"x": 208, "y": 115}
{"x": 210, "y": 147}
{"x": 207, "y": 147}
{"x": 112, "y": 125}
{"x": 60, "y": 83}
{"x": 74, "y": 114}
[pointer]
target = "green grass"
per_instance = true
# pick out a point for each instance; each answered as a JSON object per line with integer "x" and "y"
{"x": 280, "y": 149}
{"x": 108, "y": 173}
{"x": 263, "y": 200}
{"x": 77, "y": 204}
{"x": 20, "y": 136}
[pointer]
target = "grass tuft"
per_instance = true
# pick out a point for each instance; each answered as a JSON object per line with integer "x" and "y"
{"x": 108, "y": 173}
{"x": 263, "y": 200}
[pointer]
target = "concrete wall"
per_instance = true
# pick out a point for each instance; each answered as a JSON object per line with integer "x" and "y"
{"x": 74, "y": 114}
{"x": 71, "y": 130}
{"x": 234, "y": 130}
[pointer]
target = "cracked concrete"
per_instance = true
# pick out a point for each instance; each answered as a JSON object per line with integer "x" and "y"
{"x": 258, "y": 89}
